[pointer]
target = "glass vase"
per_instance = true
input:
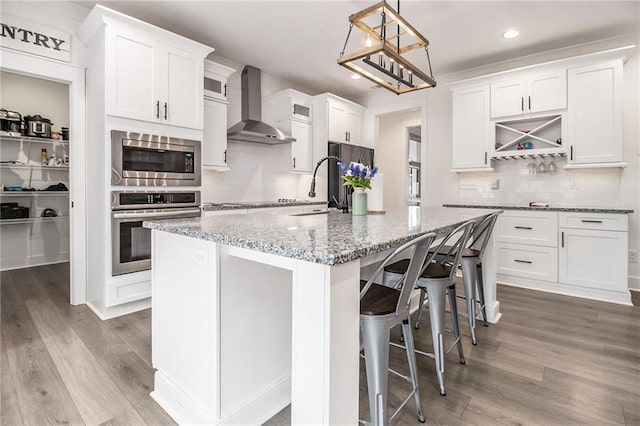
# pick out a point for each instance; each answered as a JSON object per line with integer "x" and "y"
{"x": 359, "y": 202}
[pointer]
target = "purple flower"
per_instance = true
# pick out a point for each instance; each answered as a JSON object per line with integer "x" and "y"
{"x": 363, "y": 172}
{"x": 342, "y": 167}
{"x": 374, "y": 171}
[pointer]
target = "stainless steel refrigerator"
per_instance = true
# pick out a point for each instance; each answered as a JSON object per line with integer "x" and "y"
{"x": 347, "y": 153}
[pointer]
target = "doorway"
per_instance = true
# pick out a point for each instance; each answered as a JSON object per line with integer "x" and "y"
{"x": 66, "y": 85}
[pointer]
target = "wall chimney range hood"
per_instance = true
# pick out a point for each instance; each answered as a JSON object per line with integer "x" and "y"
{"x": 252, "y": 128}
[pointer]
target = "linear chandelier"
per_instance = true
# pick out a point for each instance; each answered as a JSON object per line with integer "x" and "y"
{"x": 384, "y": 60}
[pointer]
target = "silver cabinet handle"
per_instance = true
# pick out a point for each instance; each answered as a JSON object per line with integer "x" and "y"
{"x": 523, "y": 261}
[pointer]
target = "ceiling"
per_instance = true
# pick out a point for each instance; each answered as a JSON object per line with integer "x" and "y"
{"x": 300, "y": 41}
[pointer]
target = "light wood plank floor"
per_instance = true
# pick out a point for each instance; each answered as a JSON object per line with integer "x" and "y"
{"x": 551, "y": 360}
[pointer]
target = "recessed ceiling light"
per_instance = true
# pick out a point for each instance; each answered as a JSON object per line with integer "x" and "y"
{"x": 511, "y": 34}
{"x": 356, "y": 76}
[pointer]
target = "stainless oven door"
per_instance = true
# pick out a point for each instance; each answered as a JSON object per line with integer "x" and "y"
{"x": 149, "y": 160}
{"x": 131, "y": 243}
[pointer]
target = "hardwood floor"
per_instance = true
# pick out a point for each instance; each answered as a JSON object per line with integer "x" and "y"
{"x": 551, "y": 360}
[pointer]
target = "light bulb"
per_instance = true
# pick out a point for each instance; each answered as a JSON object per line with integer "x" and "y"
{"x": 368, "y": 42}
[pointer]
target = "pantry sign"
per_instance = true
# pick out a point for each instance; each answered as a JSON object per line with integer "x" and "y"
{"x": 35, "y": 38}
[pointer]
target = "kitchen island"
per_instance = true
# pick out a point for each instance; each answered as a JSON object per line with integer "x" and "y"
{"x": 251, "y": 313}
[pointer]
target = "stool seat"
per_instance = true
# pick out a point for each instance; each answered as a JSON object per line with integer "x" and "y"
{"x": 379, "y": 300}
{"x": 466, "y": 252}
{"x": 433, "y": 271}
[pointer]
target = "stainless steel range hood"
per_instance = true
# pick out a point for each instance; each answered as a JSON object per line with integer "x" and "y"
{"x": 252, "y": 128}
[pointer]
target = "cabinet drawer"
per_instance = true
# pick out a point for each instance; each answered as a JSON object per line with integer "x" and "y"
{"x": 536, "y": 228}
{"x": 609, "y": 222}
{"x": 535, "y": 262}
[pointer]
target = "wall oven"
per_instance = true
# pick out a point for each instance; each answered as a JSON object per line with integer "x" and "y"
{"x": 139, "y": 159}
{"x": 131, "y": 243}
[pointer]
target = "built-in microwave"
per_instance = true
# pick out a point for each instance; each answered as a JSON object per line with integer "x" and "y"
{"x": 139, "y": 159}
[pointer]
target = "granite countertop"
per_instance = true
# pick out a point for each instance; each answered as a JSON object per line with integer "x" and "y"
{"x": 257, "y": 205}
{"x": 328, "y": 239}
{"x": 549, "y": 209}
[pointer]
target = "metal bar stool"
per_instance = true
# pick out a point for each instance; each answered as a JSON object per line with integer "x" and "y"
{"x": 437, "y": 278}
{"x": 471, "y": 265}
{"x": 382, "y": 308}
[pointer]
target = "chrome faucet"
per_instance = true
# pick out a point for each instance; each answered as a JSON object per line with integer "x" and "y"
{"x": 312, "y": 190}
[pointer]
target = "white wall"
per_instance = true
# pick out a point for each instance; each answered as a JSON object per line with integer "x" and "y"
{"x": 392, "y": 155}
{"x": 595, "y": 187}
{"x": 30, "y": 96}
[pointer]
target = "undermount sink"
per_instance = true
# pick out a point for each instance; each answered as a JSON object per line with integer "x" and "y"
{"x": 309, "y": 213}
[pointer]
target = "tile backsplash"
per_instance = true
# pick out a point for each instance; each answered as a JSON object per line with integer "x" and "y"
{"x": 518, "y": 184}
{"x": 257, "y": 173}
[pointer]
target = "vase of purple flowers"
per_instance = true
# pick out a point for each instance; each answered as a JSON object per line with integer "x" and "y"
{"x": 358, "y": 176}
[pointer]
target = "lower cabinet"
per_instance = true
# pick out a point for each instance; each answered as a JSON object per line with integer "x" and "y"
{"x": 593, "y": 258}
{"x": 578, "y": 254}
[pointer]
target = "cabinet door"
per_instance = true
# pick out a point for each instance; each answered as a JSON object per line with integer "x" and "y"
{"x": 470, "y": 128}
{"x": 214, "y": 146}
{"x": 353, "y": 127}
{"x": 596, "y": 259}
{"x": 183, "y": 103}
{"x": 546, "y": 91}
{"x": 595, "y": 113}
{"x": 215, "y": 86}
{"x": 337, "y": 122}
{"x": 302, "y": 148}
{"x": 132, "y": 77}
{"x": 508, "y": 98}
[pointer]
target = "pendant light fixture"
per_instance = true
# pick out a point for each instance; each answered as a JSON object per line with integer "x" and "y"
{"x": 387, "y": 55}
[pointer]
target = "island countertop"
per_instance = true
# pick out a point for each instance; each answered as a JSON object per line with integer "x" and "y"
{"x": 330, "y": 239}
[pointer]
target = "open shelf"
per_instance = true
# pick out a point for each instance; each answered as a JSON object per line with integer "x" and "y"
{"x": 32, "y": 166}
{"x": 31, "y": 220}
{"x": 34, "y": 194}
{"x": 33, "y": 140}
{"x": 543, "y": 135}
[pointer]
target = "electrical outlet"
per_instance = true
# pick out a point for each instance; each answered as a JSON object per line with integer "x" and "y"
{"x": 495, "y": 184}
{"x": 633, "y": 256}
{"x": 573, "y": 184}
{"x": 467, "y": 184}
{"x": 200, "y": 257}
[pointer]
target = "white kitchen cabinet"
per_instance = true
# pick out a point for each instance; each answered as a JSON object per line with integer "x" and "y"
{"x": 343, "y": 119}
{"x": 529, "y": 93}
{"x": 302, "y": 148}
{"x": 528, "y": 261}
{"x": 214, "y": 142}
{"x": 291, "y": 111}
{"x": 215, "y": 80}
{"x": 471, "y": 130}
{"x": 575, "y": 253}
{"x": 595, "y": 114}
{"x": 593, "y": 251}
{"x": 149, "y": 74}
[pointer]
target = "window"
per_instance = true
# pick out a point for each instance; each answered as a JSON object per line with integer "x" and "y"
{"x": 414, "y": 163}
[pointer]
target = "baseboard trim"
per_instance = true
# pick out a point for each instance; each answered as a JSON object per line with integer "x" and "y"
{"x": 263, "y": 406}
{"x": 118, "y": 311}
{"x": 182, "y": 408}
{"x": 634, "y": 283}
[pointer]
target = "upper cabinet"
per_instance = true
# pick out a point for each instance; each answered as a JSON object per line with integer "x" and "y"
{"x": 215, "y": 80}
{"x": 471, "y": 131}
{"x": 529, "y": 93}
{"x": 343, "y": 119}
{"x": 595, "y": 114}
{"x": 149, "y": 74}
{"x": 214, "y": 138}
{"x": 292, "y": 114}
